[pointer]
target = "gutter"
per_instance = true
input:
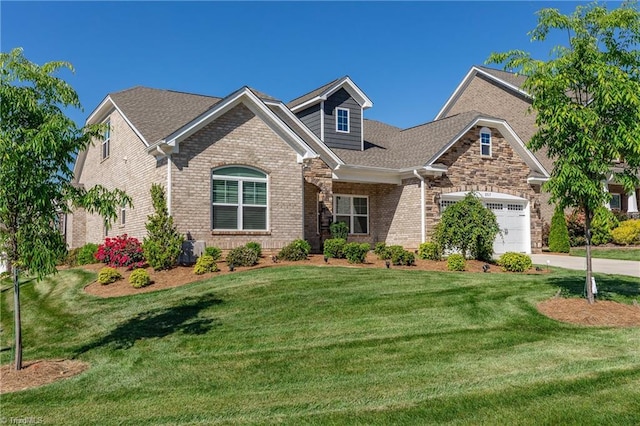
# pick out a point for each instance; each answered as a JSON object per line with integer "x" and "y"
{"x": 423, "y": 229}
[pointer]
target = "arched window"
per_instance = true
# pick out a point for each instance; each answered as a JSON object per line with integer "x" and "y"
{"x": 485, "y": 142}
{"x": 239, "y": 199}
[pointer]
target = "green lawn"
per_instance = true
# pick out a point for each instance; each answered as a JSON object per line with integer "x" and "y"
{"x": 318, "y": 345}
{"x": 621, "y": 253}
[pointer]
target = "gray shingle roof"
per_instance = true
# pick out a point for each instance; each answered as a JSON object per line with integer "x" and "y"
{"x": 157, "y": 113}
{"x": 390, "y": 147}
{"x": 509, "y": 77}
{"x": 317, "y": 92}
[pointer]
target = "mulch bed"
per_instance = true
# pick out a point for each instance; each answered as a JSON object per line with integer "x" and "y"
{"x": 38, "y": 373}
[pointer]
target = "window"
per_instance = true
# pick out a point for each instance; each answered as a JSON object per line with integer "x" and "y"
{"x": 354, "y": 211}
{"x": 106, "y": 140}
{"x": 485, "y": 142}
{"x": 495, "y": 206}
{"x": 123, "y": 215}
{"x": 615, "y": 204}
{"x": 239, "y": 199}
{"x": 446, "y": 203}
{"x": 342, "y": 120}
{"x": 515, "y": 207}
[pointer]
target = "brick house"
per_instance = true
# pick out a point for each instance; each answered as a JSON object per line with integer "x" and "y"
{"x": 248, "y": 167}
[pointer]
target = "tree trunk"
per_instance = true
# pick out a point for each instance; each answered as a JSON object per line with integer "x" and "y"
{"x": 587, "y": 224}
{"x": 16, "y": 319}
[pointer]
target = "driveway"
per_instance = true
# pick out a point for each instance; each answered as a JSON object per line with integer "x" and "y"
{"x": 604, "y": 266}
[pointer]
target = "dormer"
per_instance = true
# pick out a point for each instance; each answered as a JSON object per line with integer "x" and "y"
{"x": 334, "y": 112}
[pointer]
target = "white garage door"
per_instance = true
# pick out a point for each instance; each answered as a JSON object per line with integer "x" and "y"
{"x": 512, "y": 214}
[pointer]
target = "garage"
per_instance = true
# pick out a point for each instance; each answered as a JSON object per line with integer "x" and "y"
{"x": 512, "y": 214}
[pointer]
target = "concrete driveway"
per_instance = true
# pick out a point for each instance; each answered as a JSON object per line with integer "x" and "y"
{"x": 605, "y": 266}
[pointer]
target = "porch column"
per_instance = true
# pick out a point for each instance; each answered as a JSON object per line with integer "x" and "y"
{"x": 606, "y": 189}
{"x": 632, "y": 202}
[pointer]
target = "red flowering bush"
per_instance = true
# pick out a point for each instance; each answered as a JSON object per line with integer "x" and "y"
{"x": 121, "y": 251}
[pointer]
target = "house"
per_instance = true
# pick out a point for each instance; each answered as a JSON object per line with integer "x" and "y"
{"x": 249, "y": 167}
{"x": 501, "y": 94}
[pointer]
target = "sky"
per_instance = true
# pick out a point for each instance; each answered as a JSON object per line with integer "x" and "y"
{"x": 408, "y": 57}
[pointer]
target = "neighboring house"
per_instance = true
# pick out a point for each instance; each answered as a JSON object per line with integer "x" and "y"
{"x": 501, "y": 94}
{"x": 248, "y": 167}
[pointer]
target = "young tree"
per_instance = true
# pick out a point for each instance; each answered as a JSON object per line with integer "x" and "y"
{"x": 587, "y": 100}
{"x": 469, "y": 227}
{"x": 38, "y": 144}
{"x": 163, "y": 243}
{"x": 559, "y": 233}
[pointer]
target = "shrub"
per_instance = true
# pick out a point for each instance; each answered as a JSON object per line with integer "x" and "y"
{"x": 214, "y": 252}
{"x": 604, "y": 221}
{"x": 255, "y": 246}
{"x": 400, "y": 256}
{"x": 356, "y": 252}
{"x": 334, "y": 247}
{"x": 139, "y": 278}
{"x": 121, "y": 251}
{"x": 242, "y": 256}
{"x": 456, "y": 262}
{"x": 429, "y": 251}
{"x": 339, "y": 230}
{"x": 296, "y": 250}
{"x": 559, "y": 241}
{"x": 468, "y": 227}
{"x": 628, "y": 232}
{"x": 546, "y": 230}
{"x": 87, "y": 254}
{"x": 72, "y": 257}
{"x": 205, "y": 264}
{"x": 515, "y": 262}
{"x": 575, "y": 226}
{"x": 380, "y": 250}
{"x": 163, "y": 243}
{"x": 108, "y": 275}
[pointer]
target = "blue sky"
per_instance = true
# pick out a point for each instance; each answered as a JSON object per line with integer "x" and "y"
{"x": 408, "y": 57}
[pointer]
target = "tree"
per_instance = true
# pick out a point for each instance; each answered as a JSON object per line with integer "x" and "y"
{"x": 559, "y": 233}
{"x": 163, "y": 243}
{"x": 587, "y": 103}
{"x": 469, "y": 227}
{"x": 38, "y": 144}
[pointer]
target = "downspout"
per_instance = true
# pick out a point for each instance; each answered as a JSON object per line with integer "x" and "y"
{"x": 169, "y": 182}
{"x": 422, "y": 207}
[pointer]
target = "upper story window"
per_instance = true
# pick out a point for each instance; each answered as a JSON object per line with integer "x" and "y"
{"x": 239, "y": 199}
{"x": 342, "y": 120}
{"x": 354, "y": 211}
{"x": 615, "y": 203}
{"x": 485, "y": 142}
{"x": 106, "y": 140}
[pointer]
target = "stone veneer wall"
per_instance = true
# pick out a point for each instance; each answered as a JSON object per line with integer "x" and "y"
{"x": 237, "y": 138}
{"x": 129, "y": 168}
{"x": 503, "y": 172}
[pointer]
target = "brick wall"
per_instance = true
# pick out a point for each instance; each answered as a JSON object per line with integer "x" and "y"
{"x": 129, "y": 168}
{"x": 504, "y": 172}
{"x": 237, "y": 138}
{"x": 486, "y": 96}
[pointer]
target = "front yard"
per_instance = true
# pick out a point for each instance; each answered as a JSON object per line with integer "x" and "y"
{"x": 618, "y": 253}
{"x": 305, "y": 344}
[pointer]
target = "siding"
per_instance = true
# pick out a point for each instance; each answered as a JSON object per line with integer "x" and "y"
{"x": 334, "y": 139}
{"x": 311, "y": 118}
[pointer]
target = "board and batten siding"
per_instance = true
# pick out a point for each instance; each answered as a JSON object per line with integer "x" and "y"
{"x": 311, "y": 118}
{"x": 351, "y": 140}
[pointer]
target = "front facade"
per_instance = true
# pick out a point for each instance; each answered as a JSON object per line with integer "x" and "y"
{"x": 248, "y": 167}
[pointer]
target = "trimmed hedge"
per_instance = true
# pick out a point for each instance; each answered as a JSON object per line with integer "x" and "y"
{"x": 559, "y": 234}
{"x": 515, "y": 262}
{"x": 628, "y": 232}
{"x": 356, "y": 252}
{"x": 242, "y": 256}
{"x": 108, "y": 275}
{"x": 205, "y": 264}
{"x": 429, "y": 251}
{"x": 334, "y": 248}
{"x": 296, "y": 250}
{"x": 139, "y": 278}
{"x": 456, "y": 262}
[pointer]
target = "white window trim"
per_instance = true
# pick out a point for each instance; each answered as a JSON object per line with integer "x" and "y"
{"x": 123, "y": 215}
{"x": 240, "y": 205}
{"x": 348, "y": 120}
{"x": 106, "y": 142}
{"x": 486, "y": 131}
{"x": 619, "y": 197}
{"x": 352, "y": 215}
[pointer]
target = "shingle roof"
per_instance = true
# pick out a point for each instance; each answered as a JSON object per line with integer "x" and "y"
{"x": 304, "y": 98}
{"x": 157, "y": 113}
{"x": 509, "y": 77}
{"x": 390, "y": 147}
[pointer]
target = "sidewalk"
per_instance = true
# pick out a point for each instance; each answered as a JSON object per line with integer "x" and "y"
{"x": 604, "y": 266}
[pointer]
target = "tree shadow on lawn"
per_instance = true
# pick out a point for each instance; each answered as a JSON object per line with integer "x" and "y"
{"x": 607, "y": 285}
{"x": 159, "y": 323}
